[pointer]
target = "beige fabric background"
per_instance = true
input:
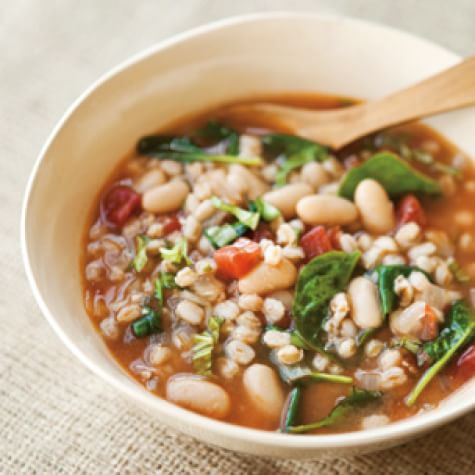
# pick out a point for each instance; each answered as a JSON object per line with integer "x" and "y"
{"x": 55, "y": 416}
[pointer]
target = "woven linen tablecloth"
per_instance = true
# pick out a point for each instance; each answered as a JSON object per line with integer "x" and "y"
{"x": 55, "y": 416}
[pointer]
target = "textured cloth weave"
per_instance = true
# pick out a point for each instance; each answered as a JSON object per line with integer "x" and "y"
{"x": 55, "y": 416}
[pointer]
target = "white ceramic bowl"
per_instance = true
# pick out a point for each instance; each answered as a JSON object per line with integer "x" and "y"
{"x": 229, "y": 59}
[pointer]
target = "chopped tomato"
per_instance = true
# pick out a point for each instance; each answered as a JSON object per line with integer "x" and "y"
{"x": 430, "y": 325}
{"x": 238, "y": 259}
{"x": 466, "y": 363}
{"x": 317, "y": 241}
{"x": 170, "y": 223}
{"x": 410, "y": 209}
{"x": 120, "y": 204}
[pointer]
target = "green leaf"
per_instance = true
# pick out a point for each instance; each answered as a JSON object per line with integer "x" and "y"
{"x": 216, "y": 131}
{"x": 150, "y": 322}
{"x": 177, "y": 254}
{"x": 298, "y": 151}
{"x": 300, "y": 372}
{"x": 248, "y": 218}
{"x": 459, "y": 331}
{"x": 220, "y": 236}
{"x": 387, "y": 274}
{"x": 318, "y": 281}
{"x": 267, "y": 211}
{"x": 166, "y": 280}
{"x": 203, "y": 347}
{"x": 358, "y": 398}
{"x": 140, "y": 259}
{"x": 291, "y": 409}
{"x": 181, "y": 149}
{"x": 459, "y": 274}
{"x": 395, "y": 176}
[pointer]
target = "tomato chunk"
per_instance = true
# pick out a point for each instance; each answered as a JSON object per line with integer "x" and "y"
{"x": 238, "y": 259}
{"x": 318, "y": 241}
{"x": 170, "y": 223}
{"x": 119, "y": 205}
{"x": 410, "y": 209}
{"x": 466, "y": 362}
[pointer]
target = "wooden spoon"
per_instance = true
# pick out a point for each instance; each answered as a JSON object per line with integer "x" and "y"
{"x": 450, "y": 89}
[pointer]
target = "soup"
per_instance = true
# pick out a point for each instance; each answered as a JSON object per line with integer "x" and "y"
{"x": 259, "y": 278}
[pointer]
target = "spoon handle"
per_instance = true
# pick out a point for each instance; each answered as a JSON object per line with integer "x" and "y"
{"x": 451, "y": 89}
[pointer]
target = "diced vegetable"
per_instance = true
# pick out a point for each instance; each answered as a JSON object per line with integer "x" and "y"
{"x": 170, "y": 224}
{"x": 248, "y": 218}
{"x": 291, "y": 408}
{"x": 410, "y": 209}
{"x": 204, "y": 345}
{"x": 182, "y": 149}
{"x": 166, "y": 280}
{"x": 395, "y": 176}
{"x": 458, "y": 332}
{"x": 357, "y": 398}
{"x": 315, "y": 242}
{"x": 298, "y": 152}
{"x": 220, "y": 236}
{"x": 177, "y": 254}
{"x": 140, "y": 259}
{"x": 387, "y": 274}
{"x": 267, "y": 211}
{"x": 466, "y": 363}
{"x": 120, "y": 204}
{"x": 237, "y": 260}
{"x": 149, "y": 323}
{"x": 318, "y": 282}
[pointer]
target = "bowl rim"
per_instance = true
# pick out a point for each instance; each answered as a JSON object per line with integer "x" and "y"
{"x": 396, "y": 430}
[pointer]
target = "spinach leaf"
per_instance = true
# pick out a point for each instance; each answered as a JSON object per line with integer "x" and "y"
{"x": 357, "y": 398}
{"x": 182, "y": 149}
{"x": 459, "y": 331}
{"x": 387, "y": 274}
{"x": 248, "y": 218}
{"x": 216, "y": 131}
{"x": 318, "y": 282}
{"x": 203, "y": 346}
{"x": 394, "y": 175}
{"x": 291, "y": 408}
{"x": 298, "y": 151}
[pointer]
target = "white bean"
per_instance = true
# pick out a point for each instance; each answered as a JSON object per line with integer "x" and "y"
{"x": 252, "y": 185}
{"x": 315, "y": 175}
{"x": 375, "y": 207}
{"x": 165, "y": 198}
{"x": 287, "y": 197}
{"x": 264, "y": 390}
{"x": 326, "y": 209}
{"x": 151, "y": 179}
{"x": 366, "y": 311}
{"x": 265, "y": 278}
{"x": 199, "y": 395}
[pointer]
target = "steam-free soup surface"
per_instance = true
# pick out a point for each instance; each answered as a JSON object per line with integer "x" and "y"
{"x": 264, "y": 280}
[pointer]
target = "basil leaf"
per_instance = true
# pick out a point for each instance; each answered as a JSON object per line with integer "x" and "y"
{"x": 459, "y": 331}
{"x": 218, "y": 132}
{"x": 318, "y": 281}
{"x": 394, "y": 175}
{"x": 357, "y": 398}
